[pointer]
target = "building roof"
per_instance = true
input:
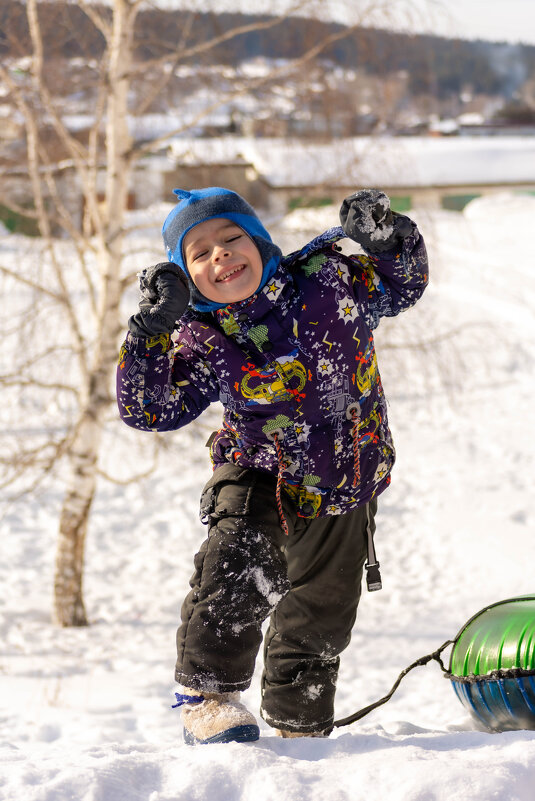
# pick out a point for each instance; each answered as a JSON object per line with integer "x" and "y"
{"x": 372, "y": 161}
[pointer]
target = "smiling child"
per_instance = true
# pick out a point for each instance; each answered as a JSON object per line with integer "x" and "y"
{"x": 303, "y": 451}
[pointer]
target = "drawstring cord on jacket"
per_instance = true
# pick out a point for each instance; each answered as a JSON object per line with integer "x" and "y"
{"x": 373, "y": 575}
{"x": 355, "y": 417}
{"x": 353, "y": 414}
{"x": 284, "y": 524}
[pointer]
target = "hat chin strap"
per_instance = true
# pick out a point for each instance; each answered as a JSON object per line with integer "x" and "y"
{"x": 200, "y": 301}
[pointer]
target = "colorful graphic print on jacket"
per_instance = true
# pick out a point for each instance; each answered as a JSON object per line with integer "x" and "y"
{"x": 295, "y": 363}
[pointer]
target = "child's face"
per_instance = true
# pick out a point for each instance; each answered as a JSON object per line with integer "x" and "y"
{"x": 223, "y": 262}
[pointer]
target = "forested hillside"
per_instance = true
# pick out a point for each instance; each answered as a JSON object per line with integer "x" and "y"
{"x": 434, "y": 64}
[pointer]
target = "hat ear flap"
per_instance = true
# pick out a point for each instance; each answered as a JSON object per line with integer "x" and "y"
{"x": 182, "y": 194}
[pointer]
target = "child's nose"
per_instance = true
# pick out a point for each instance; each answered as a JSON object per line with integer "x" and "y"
{"x": 221, "y": 252}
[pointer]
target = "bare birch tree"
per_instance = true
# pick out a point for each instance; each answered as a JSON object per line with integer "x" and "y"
{"x": 85, "y": 335}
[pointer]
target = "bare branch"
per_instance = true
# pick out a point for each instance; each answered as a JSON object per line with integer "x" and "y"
{"x": 80, "y": 242}
{"x": 43, "y": 290}
{"x": 18, "y": 381}
{"x": 34, "y": 358}
{"x": 33, "y": 151}
{"x": 44, "y": 224}
{"x": 168, "y": 74}
{"x": 139, "y": 150}
{"x": 94, "y": 150}
{"x": 65, "y": 217}
{"x": 183, "y": 53}
{"x": 96, "y": 18}
{"x": 14, "y": 206}
{"x": 124, "y": 482}
{"x": 209, "y": 44}
{"x": 128, "y": 280}
{"x": 35, "y": 458}
{"x": 37, "y": 41}
{"x": 31, "y": 214}
{"x": 72, "y": 145}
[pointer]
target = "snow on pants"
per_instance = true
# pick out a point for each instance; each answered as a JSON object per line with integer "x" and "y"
{"x": 248, "y": 569}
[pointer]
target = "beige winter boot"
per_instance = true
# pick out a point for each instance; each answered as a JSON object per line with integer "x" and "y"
{"x": 215, "y": 718}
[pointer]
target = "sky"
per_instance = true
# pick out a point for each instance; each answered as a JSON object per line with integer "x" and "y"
{"x": 497, "y": 20}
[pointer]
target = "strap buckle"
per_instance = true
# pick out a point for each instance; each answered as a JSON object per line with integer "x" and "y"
{"x": 373, "y": 577}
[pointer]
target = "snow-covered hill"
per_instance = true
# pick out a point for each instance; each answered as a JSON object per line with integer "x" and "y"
{"x": 85, "y": 714}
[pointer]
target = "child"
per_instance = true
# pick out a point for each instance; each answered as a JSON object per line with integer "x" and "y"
{"x": 286, "y": 345}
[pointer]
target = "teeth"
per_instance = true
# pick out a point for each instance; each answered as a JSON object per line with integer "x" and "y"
{"x": 226, "y": 275}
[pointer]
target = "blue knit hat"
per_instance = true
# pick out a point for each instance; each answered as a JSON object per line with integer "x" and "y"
{"x": 205, "y": 204}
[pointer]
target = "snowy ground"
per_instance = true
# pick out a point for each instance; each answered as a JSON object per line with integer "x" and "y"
{"x": 85, "y": 714}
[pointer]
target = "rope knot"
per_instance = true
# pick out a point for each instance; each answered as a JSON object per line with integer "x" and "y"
{"x": 275, "y": 436}
{"x": 353, "y": 414}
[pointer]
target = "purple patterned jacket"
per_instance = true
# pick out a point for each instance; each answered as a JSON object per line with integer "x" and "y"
{"x": 295, "y": 369}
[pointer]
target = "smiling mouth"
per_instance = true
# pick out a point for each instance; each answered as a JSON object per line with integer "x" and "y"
{"x": 230, "y": 273}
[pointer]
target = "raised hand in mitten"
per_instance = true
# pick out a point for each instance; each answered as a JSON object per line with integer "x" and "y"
{"x": 164, "y": 298}
{"x": 367, "y": 218}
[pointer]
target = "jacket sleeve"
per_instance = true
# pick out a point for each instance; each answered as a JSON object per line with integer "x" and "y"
{"x": 395, "y": 279}
{"x": 162, "y": 386}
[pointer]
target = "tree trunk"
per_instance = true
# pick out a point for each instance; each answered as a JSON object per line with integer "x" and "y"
{"x": 83, "y": 456}
{"x": 84, "y": 453}
{"x": 68, "y": 583}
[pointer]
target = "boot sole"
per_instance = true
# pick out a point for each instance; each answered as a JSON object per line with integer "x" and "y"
{"x": 237, "y": 734}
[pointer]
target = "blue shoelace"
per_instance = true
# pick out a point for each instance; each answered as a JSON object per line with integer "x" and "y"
{"x": 187, "y": 699}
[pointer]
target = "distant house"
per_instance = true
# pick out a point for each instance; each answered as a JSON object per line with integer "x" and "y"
{"x": 279, "y": 174}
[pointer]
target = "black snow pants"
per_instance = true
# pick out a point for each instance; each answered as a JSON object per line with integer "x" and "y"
{"x": 309, "y": 581}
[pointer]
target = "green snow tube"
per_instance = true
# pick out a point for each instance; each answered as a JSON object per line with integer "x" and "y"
{"x": 492, "y": 665}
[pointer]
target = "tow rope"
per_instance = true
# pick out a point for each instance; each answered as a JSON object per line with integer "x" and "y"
{"x": 423, "y": 660}
{"x": 492, "y": 667}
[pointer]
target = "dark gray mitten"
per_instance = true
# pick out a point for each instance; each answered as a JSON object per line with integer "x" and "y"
{"x": 367, "y": 218}
{"x": 164, "y": 298}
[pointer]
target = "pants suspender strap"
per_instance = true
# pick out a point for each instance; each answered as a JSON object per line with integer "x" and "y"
{"x": 373, "y": 575}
